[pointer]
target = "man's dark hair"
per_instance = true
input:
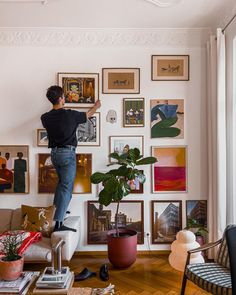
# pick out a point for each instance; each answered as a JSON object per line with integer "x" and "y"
{"x": 54, "y": 93}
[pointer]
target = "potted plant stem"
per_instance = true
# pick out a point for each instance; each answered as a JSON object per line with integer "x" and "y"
{"x": 11, "y": 264}
{"x": 122, "y": 243}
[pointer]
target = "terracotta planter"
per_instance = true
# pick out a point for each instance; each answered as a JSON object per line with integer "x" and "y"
{"x": 11, "y": 270}
{"x": 122, "y": 251}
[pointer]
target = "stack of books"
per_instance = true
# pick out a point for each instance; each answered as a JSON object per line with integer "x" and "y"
{"x": 19, "y": 286}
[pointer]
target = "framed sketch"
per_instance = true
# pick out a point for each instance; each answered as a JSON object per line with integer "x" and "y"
{"x": 121, "y": 144}
{"x": 166, "y": 221}
{"x": 167, "y": 118}
{"x": 120, "y": 80}
{"x": 80, "y": 90}
{"x": 101, "y": 219}
{"x": 47, "y": 176}
{"x": 197, "y": 210}
{"x": 170, "y": 67}
{"x": 133, "y": 112}
{"x": 14, "y": 169}
{"x": 42, "y": 137}
{"x": 169, "y": 174}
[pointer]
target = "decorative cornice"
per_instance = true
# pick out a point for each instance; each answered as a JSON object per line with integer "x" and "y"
{"x": 87, "y": 37}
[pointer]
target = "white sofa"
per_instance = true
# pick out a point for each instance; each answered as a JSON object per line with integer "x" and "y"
{"x": 10, "y": 219}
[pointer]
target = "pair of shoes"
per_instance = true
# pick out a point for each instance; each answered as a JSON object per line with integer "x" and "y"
{"x": 103, "y": 273}
{"x": 84, "y": 274}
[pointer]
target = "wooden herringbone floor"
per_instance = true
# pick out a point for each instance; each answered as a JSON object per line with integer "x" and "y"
{"x": 150, "y": 275}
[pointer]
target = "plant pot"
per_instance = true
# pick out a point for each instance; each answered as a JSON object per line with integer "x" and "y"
{"x": 11, "y": 270}
{"x": 200, "y": 240}
{"x": 122, "y": 250}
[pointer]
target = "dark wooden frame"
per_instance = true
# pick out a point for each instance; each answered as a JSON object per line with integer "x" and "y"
{"x": 186, "y": 203}
{"x": 38, "y": 139}
{"x": 130, "y": 201}
{"x": 96, "y": 88}
{"x": 179, "y": 55}
{"x": 137, "y": 125}
{"x": 27, "y": 167}
{"x": 152, "y": 216}
{"x": 125, "y": 90}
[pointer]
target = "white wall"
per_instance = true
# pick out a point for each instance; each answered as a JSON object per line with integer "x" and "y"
{"x": 27, "y": 71}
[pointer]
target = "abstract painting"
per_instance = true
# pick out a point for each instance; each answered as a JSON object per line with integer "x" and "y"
{"x": 47, "y": 176}
{"x": 101, "y": 219}
{"x": 167, "y": 118}
{"x": 169, "y": 173}
{"x": 133, "y": 112}
{"x": 197, "y": 210}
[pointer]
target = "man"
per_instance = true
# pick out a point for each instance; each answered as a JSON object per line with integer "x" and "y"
{"x": 61, "y": 125}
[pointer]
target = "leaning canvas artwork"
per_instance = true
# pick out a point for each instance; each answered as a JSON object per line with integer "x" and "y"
{"x": 101, "y": 219}
{"x": 14, "y": 169}
{"x": 47, "y": 177}
{"x": 167, "y": 118}
{"x": 169, "y": 173}
{"x": 196, "y": 210}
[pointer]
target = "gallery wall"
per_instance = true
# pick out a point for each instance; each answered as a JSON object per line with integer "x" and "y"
{"x": 30, "y": 66}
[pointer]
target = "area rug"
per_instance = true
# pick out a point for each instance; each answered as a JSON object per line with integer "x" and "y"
{"x": 80, "y": 291}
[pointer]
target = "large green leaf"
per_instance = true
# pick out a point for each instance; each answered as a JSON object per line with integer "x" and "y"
{"x": 146, "y": 161}
{"x": 98, "y": 177}
{"x": 114, "y": 156}
{"x": 111, "y": 185}
{"x": 105, "y": 198}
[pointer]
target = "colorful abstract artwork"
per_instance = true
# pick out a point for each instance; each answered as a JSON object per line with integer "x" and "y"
{"x": 133, "y": 112}
{"x": 47, "y": 176}
{"x": 169, "y": 173}
{"x": 167, "y": 118}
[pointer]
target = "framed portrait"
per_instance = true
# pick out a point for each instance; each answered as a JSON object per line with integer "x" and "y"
{"x": 166, "y": 221}
{"x": 101, "y": 219}
{"x": 121, "y": 144}
{"x": 133, "y": 112}
{"x": 42, "y": 137}
{"x": 197, "y": 210}
{"x": 80, "y": 90}
{"x": 47, "y": 176}
{"x": 167, "y": 118}
{"x": 169, "y": 174}
{"x": 170, "y": 67}
{"x": 14, "y": 169}
{"x": 120, "y": 80}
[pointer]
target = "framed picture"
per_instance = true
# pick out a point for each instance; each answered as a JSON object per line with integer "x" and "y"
{"x": 167, "y": 118}
{"x": 197, "y": 210}
{"x": 169, "y": 174}
{"x": 170, "y": 67}
{"x": 14, "y": 169}
{"x": 120, "y": 80}
{"x": 80, "y": 90}
{"x": 166, "y": 221}
{"x": 101, "y": 219}
{"x": 121, "y": 144}
{"x": 47, "y": 176}
{"x": 42, "y": 137}
{"x": 133, "y": 112}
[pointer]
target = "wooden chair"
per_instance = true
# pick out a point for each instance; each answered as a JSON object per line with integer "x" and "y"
{"x": 219, "y": 277}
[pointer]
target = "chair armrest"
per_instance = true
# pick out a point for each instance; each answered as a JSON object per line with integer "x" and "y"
{"x": 70, "y": 238}
{"x": 205, "y": 247}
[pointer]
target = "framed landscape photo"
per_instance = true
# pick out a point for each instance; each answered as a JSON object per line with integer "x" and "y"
{"x": 47, "y": 176}
{"x": 170, "y": 67}
{"x": 120, "y": 80}
{"x": 166, "y": 221}
{"x": 14, "y": 169}
{"x": 133, "y": 112}
{"x": 197, "y": 210}
{"x": 167, "y": 118}
{"x": 42, "y": 137}
{"x": 169, "y": 173}
{"x": 80, "y": 89}
{"x": 121, "y": 144}
{"x": 101, "y": 219}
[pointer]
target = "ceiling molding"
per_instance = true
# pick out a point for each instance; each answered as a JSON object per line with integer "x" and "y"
{"x": 76, "y": 37}
{"x": 25, "y": 1}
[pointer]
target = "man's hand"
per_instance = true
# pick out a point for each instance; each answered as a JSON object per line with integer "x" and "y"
{"x": 97, "y": 104}
{"x": 91, "y": 111}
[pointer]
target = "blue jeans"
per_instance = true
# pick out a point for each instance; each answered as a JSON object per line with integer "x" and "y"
{"x": 64, "y": 161}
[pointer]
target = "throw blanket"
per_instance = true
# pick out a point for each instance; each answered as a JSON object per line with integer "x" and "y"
{"x": 26, "y": 238}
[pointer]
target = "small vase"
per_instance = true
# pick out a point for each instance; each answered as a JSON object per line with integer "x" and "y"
{"x": 11, "y": 270}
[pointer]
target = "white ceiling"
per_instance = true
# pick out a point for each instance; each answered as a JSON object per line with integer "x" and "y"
{"x": 116, "y": 14}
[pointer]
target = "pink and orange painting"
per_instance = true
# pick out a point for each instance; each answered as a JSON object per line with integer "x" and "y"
{"x": 169, "y": 172}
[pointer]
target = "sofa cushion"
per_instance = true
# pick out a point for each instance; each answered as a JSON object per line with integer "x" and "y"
{"x": 16, "y": 219}
{"x": 5, "y": 220}
{"x": 37, "y": 219}
{"x": 40, "y": 251}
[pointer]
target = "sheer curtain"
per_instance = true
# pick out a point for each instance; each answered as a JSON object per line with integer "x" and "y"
{"x": 216, "y": 121}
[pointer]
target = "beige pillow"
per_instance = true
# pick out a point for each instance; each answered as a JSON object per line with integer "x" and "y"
{"x": 38, "y": 219}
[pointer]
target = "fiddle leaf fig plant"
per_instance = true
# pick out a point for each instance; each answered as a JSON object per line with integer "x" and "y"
{"x": 115, "y": 182}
